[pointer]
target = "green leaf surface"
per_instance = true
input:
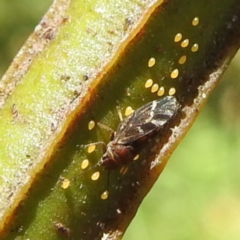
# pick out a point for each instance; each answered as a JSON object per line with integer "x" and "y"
{"x": 83, "y": 61}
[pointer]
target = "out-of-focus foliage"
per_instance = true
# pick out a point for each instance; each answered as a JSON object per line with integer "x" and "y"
{"x": 197, "y": 195}
{"x": 17, "y": 21}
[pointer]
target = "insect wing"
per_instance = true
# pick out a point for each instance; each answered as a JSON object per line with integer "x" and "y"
{"x": 148, "y": 118}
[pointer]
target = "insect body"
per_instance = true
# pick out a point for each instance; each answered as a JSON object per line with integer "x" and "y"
{"x": 135, "y": 131}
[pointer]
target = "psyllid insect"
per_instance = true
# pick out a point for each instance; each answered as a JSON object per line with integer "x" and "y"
{"x": 136, "y": 130}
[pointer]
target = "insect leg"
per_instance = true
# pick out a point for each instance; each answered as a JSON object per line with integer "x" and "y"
{"x": 95, "y": 143}
{"x": 103, "y": 126}
{"x": 119, "y": 113}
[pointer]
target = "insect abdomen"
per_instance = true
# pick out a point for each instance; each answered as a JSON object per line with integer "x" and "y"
{"x": 134, "y": 132}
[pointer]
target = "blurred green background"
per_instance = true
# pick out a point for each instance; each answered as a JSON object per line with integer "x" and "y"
{"x": 198, "y": 194}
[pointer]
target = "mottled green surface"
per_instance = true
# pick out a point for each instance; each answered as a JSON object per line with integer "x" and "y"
{"x": 170, "y": 221}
